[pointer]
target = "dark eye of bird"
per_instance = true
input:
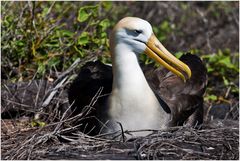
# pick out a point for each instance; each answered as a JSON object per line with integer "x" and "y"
{"x": 138, "y": 31}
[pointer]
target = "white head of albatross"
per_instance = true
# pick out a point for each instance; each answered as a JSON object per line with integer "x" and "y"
{"x": 132, "y": 102}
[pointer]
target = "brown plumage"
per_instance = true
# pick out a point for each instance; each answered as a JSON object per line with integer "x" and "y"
{"x": 184, "y": 101}
{"x": 133, "y": 102}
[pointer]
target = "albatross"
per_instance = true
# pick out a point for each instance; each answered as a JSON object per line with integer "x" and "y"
{"x": 135, "y": 97}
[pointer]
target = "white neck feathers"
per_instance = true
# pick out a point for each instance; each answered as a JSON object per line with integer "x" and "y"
{"x": 132, "y": 101}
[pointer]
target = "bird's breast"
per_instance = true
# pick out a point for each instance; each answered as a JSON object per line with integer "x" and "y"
{"x": 136, "y": 109}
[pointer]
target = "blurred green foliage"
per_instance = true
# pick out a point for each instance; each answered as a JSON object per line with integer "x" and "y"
{"x": 223, "y": 73}
{"x": 41, "y": 37}
{"x": 218, "y": 8}
{"x": 38, "y": 37}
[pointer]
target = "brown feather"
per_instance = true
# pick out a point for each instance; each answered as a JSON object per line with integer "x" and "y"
{"x": 183, "y": 100}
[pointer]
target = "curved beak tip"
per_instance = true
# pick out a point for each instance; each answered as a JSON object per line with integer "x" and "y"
{"x": 158, "y": 52}
{"x": 188, "y": 71}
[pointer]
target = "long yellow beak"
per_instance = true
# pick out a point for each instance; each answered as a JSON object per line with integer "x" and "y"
{"x": 159, "y": 53}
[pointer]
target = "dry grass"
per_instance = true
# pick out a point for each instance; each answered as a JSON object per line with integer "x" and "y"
{"x": 47, "y": 101}
{"x": 59, "y": 139}
{"x": 220, "y": 142}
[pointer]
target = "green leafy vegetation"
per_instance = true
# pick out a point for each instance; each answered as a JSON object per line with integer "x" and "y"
{"x": 49, "y": 36}
{"x": 40, "y": 39}
{"x": 223, "y": 73}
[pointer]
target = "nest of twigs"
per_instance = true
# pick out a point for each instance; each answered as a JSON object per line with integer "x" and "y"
{"x": 59, "y": 139}
{"x": 220, "y": 142}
